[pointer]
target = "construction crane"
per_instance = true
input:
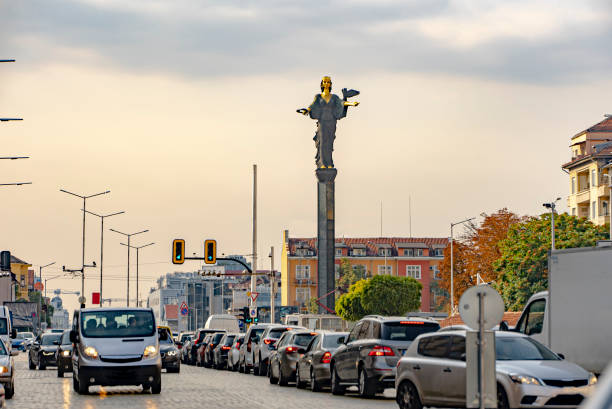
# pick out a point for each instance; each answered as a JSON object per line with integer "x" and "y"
{"x": 60, "y": 291}
{"x": 110, "y": 300}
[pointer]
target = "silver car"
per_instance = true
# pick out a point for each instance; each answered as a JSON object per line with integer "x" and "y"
{"x": 7, "y": 370}
{"x": 529, "y": 375}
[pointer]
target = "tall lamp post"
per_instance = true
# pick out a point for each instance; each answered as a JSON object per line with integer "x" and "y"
{"x": 40, "y": 279}
{"x": 452, "y": 273}
{"x": 102, "y": 217}
{"x": 137, "y": 279}
{"x": 552, "y": 205}
{"x": 128, "y": 235}
{"x": 84, "y": 211}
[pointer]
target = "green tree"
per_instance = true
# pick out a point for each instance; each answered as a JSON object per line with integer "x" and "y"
{"x": 313, "y": 307}
{"x": 382, "y": 294}
{"x": 348, "y": 275}
{"x": 523, "y": 265}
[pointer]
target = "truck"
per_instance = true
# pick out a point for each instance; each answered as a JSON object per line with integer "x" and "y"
{"x": 574, "y": 317}
{"x": 24, "y": 315}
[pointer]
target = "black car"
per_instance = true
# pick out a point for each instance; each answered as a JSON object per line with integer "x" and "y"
{"x": 43, "y": 349}
{"x": 192, "y": 353}
{"x": 63, "y": 356}
{"x": 169, "y": 352}
{"x": 368, "y": 357}
{"x": 220, "y": 353}
{"x": 313, "y": 367}
{"x": 289, "y": 349}
{"x": 210, "y": 347}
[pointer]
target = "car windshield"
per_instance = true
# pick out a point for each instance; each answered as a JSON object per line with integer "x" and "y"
{"x": 164, "y": 336}
{"x": 25, "y": 335}
{"x": 303, "y": 339}
{"x": 216, "y": 338}
{"x": 522, "y": 349}
{"x": 407, "y": 330}
{"x": 3, "y": 349}
{"x": 66, "y": 338}
{"x": 3, "y": 327}
{"x": 229, "y": 340}
{"x": 332, "y": 341}
{"x": 186, "y": 337}
{"x": 117, "y": 323}
{"x": 50, "y": 339}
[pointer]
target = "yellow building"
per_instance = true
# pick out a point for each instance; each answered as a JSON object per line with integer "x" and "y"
{"x": 20, "y": 269}
{"x": 398, "y": 256}
{"x": 588, "y": 172}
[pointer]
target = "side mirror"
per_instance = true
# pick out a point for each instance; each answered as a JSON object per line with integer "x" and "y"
{"x": 256, "y": 340}
{"x": 13, "y": 333}
{"x": 73, "y": 336}
{"x": 14, "y": 352}
{"x": 503, "y": 326}
{"x": 561, "y": 356}
{"x": 341, "y": 340}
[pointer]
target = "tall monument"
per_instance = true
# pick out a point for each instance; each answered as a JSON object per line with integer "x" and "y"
{"x": 327, "y": 109}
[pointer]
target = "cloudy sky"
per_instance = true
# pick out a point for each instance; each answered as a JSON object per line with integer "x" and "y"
{"x": 466, "y": 107}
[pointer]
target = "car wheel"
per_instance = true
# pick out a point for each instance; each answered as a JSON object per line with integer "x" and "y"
{"x": 41, "y": 366}
{"x": 75, "y": 383}
{"x": 315, "y": 386}
{"x": 30, "y": 363}
{"x": 366, "y": 389}
{"x": 299, "y": 382}
{"x": 336, "y": 388}
{"x": 256, "y": 369}
{"x": 156, "y": 387}
{"x": 502, "y": 398}
{"x": 9, "y": 390}
{"x": 83, "y": 387}
{"x": 273, "y": 380}
{"x": 263, "y": 367}
{"x": 408, "y": 396}
{"x": 282, "y": 380}
{"x": 60, "y": 373}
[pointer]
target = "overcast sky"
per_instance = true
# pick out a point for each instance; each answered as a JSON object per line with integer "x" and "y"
{"x": 466, "y": 107}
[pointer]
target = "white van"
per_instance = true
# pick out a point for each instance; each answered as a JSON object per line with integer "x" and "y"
{"x": 6, "y": 328}
{"x": 115, "y": 346}
{"x": 225, "y": 322}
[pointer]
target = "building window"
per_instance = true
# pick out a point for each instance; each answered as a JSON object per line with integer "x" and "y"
{"x": 23, "y": 281}
{"x": 436, "y": 272}
{"x": 573, "y": 211}
{"x": 359, "y": 269}
{"x": 302, "y": 295}
{"x": 338, "y": 252}
{"x": 574, "y": 185}
{"x": 385, "y": 270}
{"x": 604, "y": 208}
{"x": 408, "y": 252}
{"x": 438, "y": 252}
{"x": 418, "y": 252}
{"x": 337, "y": 271}
{"x": 302, "y": 272}
{"x": 384, "y": 252}
{"x": 594, "y": 210}
{"x": 593, "y": 178}
{"x": 359, "y": 252}
{"x": 414, "y": 272}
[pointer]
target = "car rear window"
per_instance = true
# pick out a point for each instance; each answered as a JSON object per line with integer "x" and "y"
{"x": 276, "y": 333}
{"x": 303, "y": 339}
{"x": 229, "y": 340}
{"x": 257, "y": 332}
{"x": 407, "y": 330}
{"x": 332, "y": 341}
{"x": 216, "y": 338}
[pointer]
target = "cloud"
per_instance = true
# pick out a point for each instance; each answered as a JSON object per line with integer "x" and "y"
{"x": 525, "y": 41}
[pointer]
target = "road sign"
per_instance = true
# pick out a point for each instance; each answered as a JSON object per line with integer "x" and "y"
{"x": 39, "y": 286}
{"x": 82, "y": 300}
{"x": 253, "y": 312}
{"x": 254, "y": 296}
{"x": 95, "y": 298}
{"x": 184, "y": 309}
{"x": 493, "y": 308}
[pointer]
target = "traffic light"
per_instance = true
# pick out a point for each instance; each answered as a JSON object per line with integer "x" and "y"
{"x": 244, "y": 314}
{"x": 178, "y": 251}
{"x": 256, "y": 317}
{"x": 210, "y": 251}
{"x": 5, "y": 261}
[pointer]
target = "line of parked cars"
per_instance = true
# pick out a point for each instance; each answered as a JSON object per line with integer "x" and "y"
{"x": 425, "y": 364}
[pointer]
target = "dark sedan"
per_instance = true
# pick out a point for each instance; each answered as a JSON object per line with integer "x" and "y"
{"x": 210, "y": 348}
{"x": 313, "y": 367}
{"x": 220, "y": 353}
{"x": 193, "y": 357}
{"x": 289, "y": 349}
{"x": 42, "y": 352}
{"x": 63, "y": 356}
{"x": 169, "y": 352}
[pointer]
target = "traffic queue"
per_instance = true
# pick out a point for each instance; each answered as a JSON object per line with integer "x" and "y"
{"x": 424, "y": 363}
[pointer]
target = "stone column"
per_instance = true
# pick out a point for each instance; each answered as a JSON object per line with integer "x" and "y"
{"x": 326, "y": 248}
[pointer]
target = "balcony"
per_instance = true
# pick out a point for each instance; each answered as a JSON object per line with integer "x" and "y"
{"x": 583, "y": 196}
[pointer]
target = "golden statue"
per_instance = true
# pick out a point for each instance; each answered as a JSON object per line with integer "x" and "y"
{"x": 327, "y": 109}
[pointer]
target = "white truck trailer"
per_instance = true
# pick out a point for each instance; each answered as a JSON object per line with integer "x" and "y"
{"x": 574, "y": 317}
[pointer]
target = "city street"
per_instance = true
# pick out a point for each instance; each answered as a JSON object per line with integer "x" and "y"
{"x": 194, "y": 387}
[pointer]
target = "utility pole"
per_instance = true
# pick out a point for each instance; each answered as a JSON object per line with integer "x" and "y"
{"x": 128, "y": 259}
{"x": 137, "y": 264}
{"x": 272, "y": 285}
{"x": 552, "y": 205}
{"x": 102, "y": 217}
{"x": 83, "y": 253}
{"x": 41, "y": 298}
{"x": 253, "y": 277}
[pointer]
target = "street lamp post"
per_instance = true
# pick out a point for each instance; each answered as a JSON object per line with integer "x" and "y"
{"x": 272, "y": 285}
{"x": 83, "y": 254}
{"x": 137, "y": 279}
{"x": 552, "y": 205}
{"x": 102, "y": 217}
{"x": 128, "y": 235}
{"x": 452, "y": 267}
{"x": 40, "y": 279}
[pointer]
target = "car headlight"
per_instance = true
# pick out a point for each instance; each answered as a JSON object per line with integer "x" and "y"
{"x": 4, "y": 369}
{"x": 47, "y": 353}
{"x": 172, "y": 353}
{"x": 91, "y": 352}
{"x": 525, "y": 380}
{"x": 66, "y": 353}
{"x": 150, "y": 351}
{"x": 592, "y": 379}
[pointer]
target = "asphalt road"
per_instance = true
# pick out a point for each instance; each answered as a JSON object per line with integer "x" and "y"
{"x": 194, "y": 387}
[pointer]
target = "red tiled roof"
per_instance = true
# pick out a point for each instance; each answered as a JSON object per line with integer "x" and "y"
{"x": 171, "y": 311}
{"x": 602, "y": 126}
{"x": 370, "y": 242}
{"x": 511, "y": 317}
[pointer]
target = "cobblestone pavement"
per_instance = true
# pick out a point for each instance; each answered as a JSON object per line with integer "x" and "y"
{"x": 194, "y": 387}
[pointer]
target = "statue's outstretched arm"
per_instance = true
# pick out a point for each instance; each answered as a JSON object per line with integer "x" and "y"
{"x": 351, "y": 104}
{"x": 305, "y": 111}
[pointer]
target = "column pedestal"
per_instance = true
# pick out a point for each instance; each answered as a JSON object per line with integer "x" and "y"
{"x": 326, "y": 241}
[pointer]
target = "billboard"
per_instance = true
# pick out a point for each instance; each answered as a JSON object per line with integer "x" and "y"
{"x": 24, "y": 314}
